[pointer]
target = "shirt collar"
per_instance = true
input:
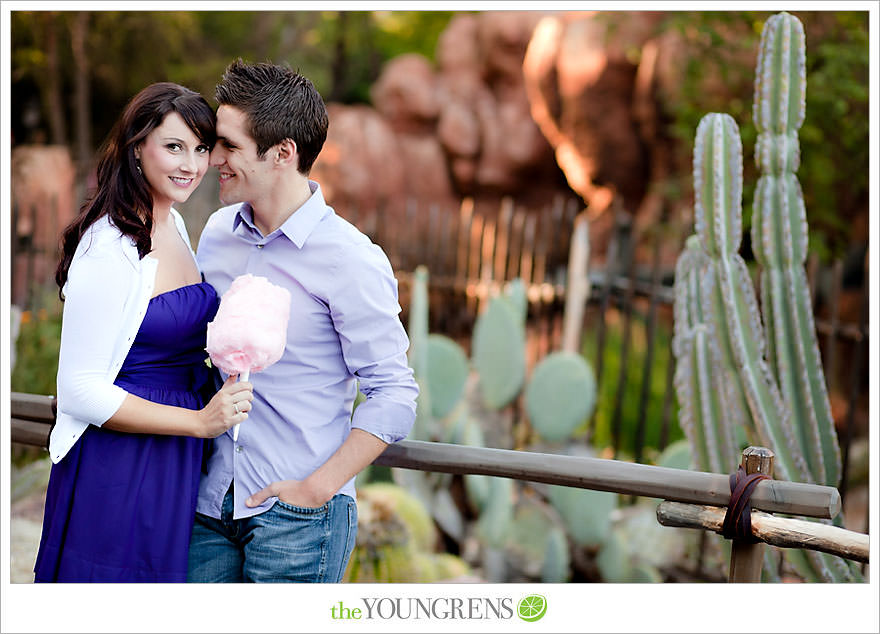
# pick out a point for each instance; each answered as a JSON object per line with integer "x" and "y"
{"x": 299, "y": 226}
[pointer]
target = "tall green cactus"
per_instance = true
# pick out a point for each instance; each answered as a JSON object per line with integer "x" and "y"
{"x": 779, "y": 240}
{"x": 717, "y": 206}
{"x": 786, "y": 395}
{"x": 699, "y": 381}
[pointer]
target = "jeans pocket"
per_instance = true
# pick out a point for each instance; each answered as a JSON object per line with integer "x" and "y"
{"x": 302, "y": 511}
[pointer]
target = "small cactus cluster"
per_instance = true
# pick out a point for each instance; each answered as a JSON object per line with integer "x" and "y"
{"x": 396, "y": 540}
{"x": 729, "y": 376}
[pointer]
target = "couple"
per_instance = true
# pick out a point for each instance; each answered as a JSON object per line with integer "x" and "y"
{"x": 138, "y": 492}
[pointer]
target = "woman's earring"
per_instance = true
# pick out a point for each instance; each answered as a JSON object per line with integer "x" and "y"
{"x": 138, "y": 165}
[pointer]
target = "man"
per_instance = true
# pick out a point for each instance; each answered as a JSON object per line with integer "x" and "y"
{"x": 278, "y": 504}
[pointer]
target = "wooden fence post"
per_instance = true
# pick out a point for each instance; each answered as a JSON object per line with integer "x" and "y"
{"x": 578, "y": 285}
{"x": 746, "y": 558}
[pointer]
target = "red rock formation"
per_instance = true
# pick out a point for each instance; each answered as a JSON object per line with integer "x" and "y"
{"x": 581, "y": 85}
{"x": 360, "y": 167}
{"x": 43, "y": 204}
{"x": 438, "y": 134}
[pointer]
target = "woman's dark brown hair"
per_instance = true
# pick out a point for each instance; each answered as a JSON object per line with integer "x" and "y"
{"x": 122, "y": 192}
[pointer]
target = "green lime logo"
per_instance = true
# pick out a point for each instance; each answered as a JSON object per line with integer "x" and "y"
{"x": 532, "y": 607}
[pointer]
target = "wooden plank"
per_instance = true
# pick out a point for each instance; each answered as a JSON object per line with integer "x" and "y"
{"x": 487, "y": 251}
{"x": 783, "y": 532}
{"x": 473, "y": 266}
{"x": 517, "y": 226}
{"x": 466, "y": 214}
{"x": 502, "y": 240}
{"x": 32, "y": 406}
{"x": 680, "y": 485}
{"x": 543, "y": 236}
{"x": 410, "y": 253}
{"x": 528, "y": 244}
{"x": 578, "y": 285}
{"x": 391, "y": 241}
{"x": 30, "y": 432}
{"x": 432, "y": 240}
{"x": 450, "y": 242}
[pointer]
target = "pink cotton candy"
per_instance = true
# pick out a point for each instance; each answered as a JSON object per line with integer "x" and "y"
{"x": 249, "y": 331}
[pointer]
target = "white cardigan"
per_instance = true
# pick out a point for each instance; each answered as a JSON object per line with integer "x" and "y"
{"x": 106, "y": 296}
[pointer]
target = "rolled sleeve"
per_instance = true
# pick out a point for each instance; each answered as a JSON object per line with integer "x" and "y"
{"x": 365, "y": 313}
{"x": 94, "y": 305}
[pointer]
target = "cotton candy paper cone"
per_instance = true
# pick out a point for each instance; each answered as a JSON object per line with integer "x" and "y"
{"x": 249, "y": 332}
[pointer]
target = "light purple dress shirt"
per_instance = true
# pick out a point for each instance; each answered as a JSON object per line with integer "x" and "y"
{"x": 344, "y": 332}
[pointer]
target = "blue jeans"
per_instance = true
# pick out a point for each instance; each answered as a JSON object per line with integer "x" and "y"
{"x": 284, "y": 544}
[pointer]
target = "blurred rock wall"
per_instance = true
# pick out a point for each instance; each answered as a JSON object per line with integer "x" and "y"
{"x": 435, "y": 134}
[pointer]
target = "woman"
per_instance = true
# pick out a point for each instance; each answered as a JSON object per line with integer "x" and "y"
{"x": 132, "y": 379}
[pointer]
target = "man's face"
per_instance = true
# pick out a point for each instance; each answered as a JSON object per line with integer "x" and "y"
{"x": 244, "y": 177}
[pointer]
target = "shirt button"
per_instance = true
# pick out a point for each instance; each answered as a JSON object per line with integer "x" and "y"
{"x": 239, "y": 449}
{"x": 260, "y": 246}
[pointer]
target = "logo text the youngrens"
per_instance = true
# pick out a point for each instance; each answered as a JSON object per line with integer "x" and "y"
{"x": 439, "y": 608}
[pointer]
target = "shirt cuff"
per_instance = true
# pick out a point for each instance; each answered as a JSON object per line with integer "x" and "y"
{"x": 386, "y": 420}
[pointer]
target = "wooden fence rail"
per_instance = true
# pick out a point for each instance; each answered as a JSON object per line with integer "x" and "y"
{"x": 32, "y": 416}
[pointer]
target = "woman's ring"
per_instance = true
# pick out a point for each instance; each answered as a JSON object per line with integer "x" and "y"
{"x": 237, "y": 411}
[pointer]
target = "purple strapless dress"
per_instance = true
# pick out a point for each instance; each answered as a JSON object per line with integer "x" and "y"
{"x": 120, "y": 506}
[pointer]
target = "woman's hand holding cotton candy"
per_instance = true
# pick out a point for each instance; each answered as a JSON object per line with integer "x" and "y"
{"x": 249, "y": 331}
{"x": 228, "y": 407}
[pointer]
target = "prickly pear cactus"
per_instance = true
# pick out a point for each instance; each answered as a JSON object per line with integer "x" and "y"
{"x": 779, "y": 240}
{"x": 560, "y": 396}
{"x": 448, "y": 370}
{"x": 499, "y": 352}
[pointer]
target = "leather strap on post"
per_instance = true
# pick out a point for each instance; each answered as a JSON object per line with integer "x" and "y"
{"x": 738, "y": 519}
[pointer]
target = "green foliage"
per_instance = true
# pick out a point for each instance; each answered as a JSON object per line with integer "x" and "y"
{"x": 342, "y": 52}
{"x": 719, "y": 52}
{"x": 635, "y": 362}
{"x": 39, "y": 340}
{"x": 402, "y": 32}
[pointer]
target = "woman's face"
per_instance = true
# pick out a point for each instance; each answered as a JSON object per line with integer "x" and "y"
{"x": 173, "y": 161}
